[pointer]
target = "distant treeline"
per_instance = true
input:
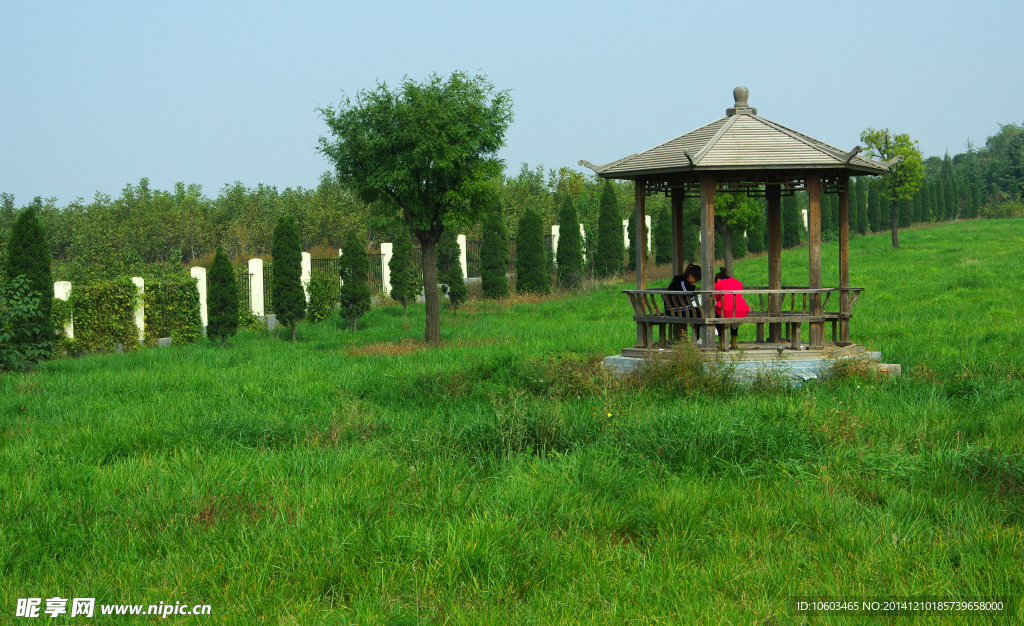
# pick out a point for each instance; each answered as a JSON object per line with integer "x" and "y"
{"x": 112, "y": 236}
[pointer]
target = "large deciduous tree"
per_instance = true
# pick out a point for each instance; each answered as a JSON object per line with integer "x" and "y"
{"x": 287, "y": 296}
{"x": 425, "y": 150}
{"x": 28, "y": 255}
{"x": 223, "y": 299}
{"x": 734, "y": 213}
{"x": 903, "y": 179}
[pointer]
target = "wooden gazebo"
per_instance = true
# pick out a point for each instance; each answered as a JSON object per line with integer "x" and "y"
{"x": 744, "y": 153}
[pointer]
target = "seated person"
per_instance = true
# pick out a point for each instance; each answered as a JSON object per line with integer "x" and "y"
{"x": 685, "y": 306}
{"x": 729, "y": 305}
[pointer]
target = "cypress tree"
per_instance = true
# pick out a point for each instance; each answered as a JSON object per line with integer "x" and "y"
{"x": 287, "y": 296}
{"x": 719, "y": 247}
{"x": 406, "y": 280}
{"x": 755, "y": 234}
{"x": 874, "y": 209}
{"x": 531, "y": 262}
{"x": 975, "y": 199}
{"x": 828, "y": 221}
{"x": 355, "y": 269}
{"x": 965, "y": 200}
{"x": 918, "y": 208}
{"x": 28, "y": 255}
{"x": 494, "y": 254}
{"x": 662, "y": 236}
{"x": 926, "y": 203}
{"x": 222, "y": 299}
{"x": 906, "y": 212}
{"x": 949, "y": 212}
{"x": 630, "y": 249}
{"x": 936, "y": 200}
{"x": 569, "y": 255}
{"x": 691, "y": 241}
{"x": 449, "y": 268}
{"x": 862, "y": 207}
{"x": 791, "y": 222}
{"x": 739, "y": 245}
{"x": 610, "y": 247}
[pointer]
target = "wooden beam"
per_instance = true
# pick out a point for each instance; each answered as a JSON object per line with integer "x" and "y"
{"x": 640, "y": 242}
{"x": 677, "y": 233}
{"x": 773, "y": 195}
{"x": 707, "y": 249}
{"x": 844, "y": 259}
{"x": 816, "y": 330}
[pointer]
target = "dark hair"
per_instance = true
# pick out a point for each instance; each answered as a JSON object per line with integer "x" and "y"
{"x": 721, "y": 274}
{"x": 692, "y": 270}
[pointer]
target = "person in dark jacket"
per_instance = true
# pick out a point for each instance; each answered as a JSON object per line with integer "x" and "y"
{"x": 687, "y": 305}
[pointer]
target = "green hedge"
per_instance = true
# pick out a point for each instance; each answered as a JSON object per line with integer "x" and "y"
{"x": 172, "y": 310}
{"x": 104, "y": 316}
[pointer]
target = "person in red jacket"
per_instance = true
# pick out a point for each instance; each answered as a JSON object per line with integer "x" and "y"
{"x": 729, "y": 305}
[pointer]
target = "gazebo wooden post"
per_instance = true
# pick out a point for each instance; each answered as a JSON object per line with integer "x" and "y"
{"x": 844, "y": 261}
{"x": 815, "y": 330}
{"x": 707, "y": 251}
{"x": 641, "y": 236}
{"x": 773, "y": 194}
{"x": 677, "y": 231}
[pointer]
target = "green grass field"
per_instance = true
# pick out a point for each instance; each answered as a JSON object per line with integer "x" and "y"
{"x": 503, "y": 478}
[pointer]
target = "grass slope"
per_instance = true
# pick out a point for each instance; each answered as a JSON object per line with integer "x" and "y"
{"x": 503, "y": 478}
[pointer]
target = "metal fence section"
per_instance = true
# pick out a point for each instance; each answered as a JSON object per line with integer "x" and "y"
{"x": 473, "y": 259}
{"x": 244, "y": 280}
{"x": 268, "y": 280}
{"x": 328, "y": 265}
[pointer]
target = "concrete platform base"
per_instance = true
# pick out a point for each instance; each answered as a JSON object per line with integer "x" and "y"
{"x": 759, "y": 359}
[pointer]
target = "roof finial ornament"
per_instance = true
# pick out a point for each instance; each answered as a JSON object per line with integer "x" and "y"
{"x": 740, "y": 94}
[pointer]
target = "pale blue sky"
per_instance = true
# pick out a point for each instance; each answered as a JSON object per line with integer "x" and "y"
{"x": 99, "y": 94}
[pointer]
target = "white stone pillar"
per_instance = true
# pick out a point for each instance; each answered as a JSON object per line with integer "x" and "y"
{"x": 647, "y": 221}
{"x": 199, "y": 273}
{"x": 307, "y": 269}
{"x": 256, "y": 289}
{"x": 340, "y": 281}
{"x": 804, "y": 214}
{"x": 555, "y": 231}
{"x": 462, "y": 256}
{"x": 62, "y": 291}
{"x": 140, "y": 307}
{"x": 386, "y": 251}
{"x": 625, "y": 233}
{"x": 583, "y": 237}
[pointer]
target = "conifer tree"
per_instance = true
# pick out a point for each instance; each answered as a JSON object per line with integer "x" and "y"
{"x": 934, "y": 215}
{"x": 569, "y": 255}
{"x": 610, "y": 247}
{"x": 975, "y": 199}
{"x": 287, "y": 296}
{"x": 950, "y": 199}
{"x": 28, "y": 255}
{"x": 355, "y": 268}
{"x": 862, "y": 207}
{"x": 926, "y": 202}
{"x": 755, "y": 234}
{"x": 918, "y": 208}
{"x": 875, "y": 209}
{"x": 739, "y": 245}
{"x": 531, "y": 262}
{"x": 449, "y": 268}
{"x": 406, "y": 280}
{"x": 494, "y": 253}
{"x": 792, "y": 222}
{"x": 827, "y": 223}
{"x": 222, "y": 299}
{"x": 662, "y": 236}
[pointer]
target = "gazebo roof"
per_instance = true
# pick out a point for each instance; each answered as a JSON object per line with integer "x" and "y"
{"x": 742, "y": 140}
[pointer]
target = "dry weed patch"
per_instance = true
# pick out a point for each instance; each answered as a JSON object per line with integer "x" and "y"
{"x": 405, "y": 346}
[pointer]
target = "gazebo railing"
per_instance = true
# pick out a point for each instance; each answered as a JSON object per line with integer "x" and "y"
{"x": 672, "y": 311}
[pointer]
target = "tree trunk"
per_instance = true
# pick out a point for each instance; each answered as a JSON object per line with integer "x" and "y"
{"x": 895, "y": 224}
{"x": 223, "y": 340}
{"x": 430, "y": 293}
